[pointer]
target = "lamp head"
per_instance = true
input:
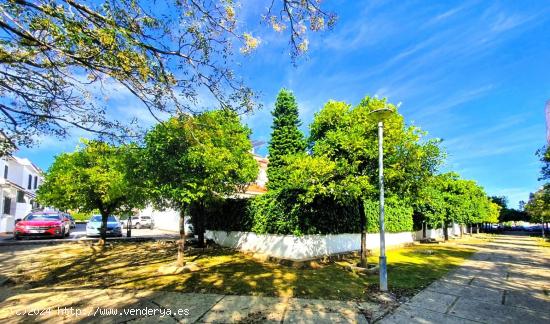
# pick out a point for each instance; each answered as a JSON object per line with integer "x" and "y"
{"x": 382, "y": 113}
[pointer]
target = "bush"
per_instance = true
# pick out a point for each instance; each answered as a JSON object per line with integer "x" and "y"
{"x": 279, "y": 212}
{"x": 225, "y": 215}
{"x": 80, "y": 216}
{"x": 398, "y": 216}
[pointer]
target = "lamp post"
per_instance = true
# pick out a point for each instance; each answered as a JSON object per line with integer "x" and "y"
{"x": 383, "y": 270}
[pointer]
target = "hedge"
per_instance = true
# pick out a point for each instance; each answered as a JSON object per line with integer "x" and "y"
{"x": 225, "y": 215}
{"x": 398, "y": 216}
{"x": 279, "y": 212}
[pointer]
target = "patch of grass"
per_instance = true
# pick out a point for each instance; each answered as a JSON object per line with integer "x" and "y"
{"x": 544, "y": 242}
{"x": 135, "y": 266}
{"x": 413, "y": 268}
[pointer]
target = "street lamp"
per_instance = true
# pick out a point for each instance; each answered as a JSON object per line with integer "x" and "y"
{"x": 383, "y": 270}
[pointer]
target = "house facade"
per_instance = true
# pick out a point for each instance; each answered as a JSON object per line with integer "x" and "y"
{"x": 19, "y": 180}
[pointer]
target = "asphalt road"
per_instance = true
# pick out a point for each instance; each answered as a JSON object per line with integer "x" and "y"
{"x": 79, "y": 232}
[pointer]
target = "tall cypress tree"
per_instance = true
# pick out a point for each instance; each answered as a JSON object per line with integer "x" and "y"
{"x": 286, "y": 138}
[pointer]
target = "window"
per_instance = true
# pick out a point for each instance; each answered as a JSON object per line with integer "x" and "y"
{"x": 98, "y": 218}
{"x": 20, "y": 196}
{"x": 30, "y": 182}
{"x": 7, "y": 205}
{"x": 43, "y": 217}
{"x": 5, "y": 171}
{"x": 35, "y": 182}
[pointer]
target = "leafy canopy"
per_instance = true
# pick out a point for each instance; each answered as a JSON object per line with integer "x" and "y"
{"x": 56, "y": 54}
{"x": 91, "y": 178}
{"x": 348, "y": 136}
{"x": 193, "y": 158}
{"x": 538, "y": 206}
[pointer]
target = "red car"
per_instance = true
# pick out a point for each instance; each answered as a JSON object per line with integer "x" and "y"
{"x": 42, "y": 224}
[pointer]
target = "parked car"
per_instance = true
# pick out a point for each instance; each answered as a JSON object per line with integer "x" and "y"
{"x": 140, "y": 222}
{"x": 93, "y": 227}
{"x": 43, "y": 224}
{"x": 71, "y": 219}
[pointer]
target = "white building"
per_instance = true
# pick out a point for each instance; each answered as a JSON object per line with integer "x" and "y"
{"x": 169, "y": 218}
{"x": 19, "y": 179}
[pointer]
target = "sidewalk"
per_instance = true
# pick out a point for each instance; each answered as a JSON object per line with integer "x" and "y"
{"x": 117, "y": 306}
{"x": 506, "y": 281}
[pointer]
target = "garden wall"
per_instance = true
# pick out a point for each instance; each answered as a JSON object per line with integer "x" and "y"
{"x": 437, "y": 233}
{"x": 304, "y": 247}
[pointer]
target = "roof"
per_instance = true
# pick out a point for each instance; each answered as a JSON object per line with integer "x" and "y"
{"x": 255, "y": 189}
{"x": 260, "y": 158}
{"x": 27, "y": 162}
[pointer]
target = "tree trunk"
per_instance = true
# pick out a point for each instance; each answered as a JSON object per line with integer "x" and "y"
{"x": 543, "y": 236}
{"x": 103, "y": 229}
{"x": 477, "y": 228}
{"x": 445, "y": 231}
{"x": 181, "y": 243}
{"x": 200, "y": 224}
{"x": 363, "y": 224}
{"x": 471, "y": 229}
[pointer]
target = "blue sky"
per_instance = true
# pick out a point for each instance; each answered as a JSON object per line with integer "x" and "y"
{"x": 474, "y": 73}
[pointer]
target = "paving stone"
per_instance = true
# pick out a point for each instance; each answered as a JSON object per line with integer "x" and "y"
{"x": 445, "y": 287}
{"x": 311, "y": 316}
{"x": 530, "y": 300}
{"x": 496, "y": 283}
{"x": 514, "y": 264}
{"x": 246, "y": 309}
{"x": 432, "y": 300}
{"x": 154, "y": 319}
{"x": 322, "y": 305}
{"x": 496, "y": 313}
{"x": 480, "y": 293}
{"x": 406, "y": 315}
{"x": 193, "y": 306}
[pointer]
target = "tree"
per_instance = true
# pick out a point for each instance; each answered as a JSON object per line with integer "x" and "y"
{"x": 544, "y": 154}
{"x": 502, "y": 201}
{"x": 509, "y": 214}
{"x": 521, "y": 205}
{"x": 163, "y": 52}
{"x": 286, "y": 137}
{"x": 92, "y": 178}
{"x": 347, "y": 136}
{"x": 446, "y": 198}
{"x": 432, "y": 206}
{"x": 192, "y": 159}
{"x": 538, "y": 206}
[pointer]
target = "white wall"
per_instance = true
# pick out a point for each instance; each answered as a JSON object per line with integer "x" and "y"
{"x": 303, "y": 247}
{"x": 22, "y": 209}
{"x": 437, "y": 233}
{"x": 165, "y": 220}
